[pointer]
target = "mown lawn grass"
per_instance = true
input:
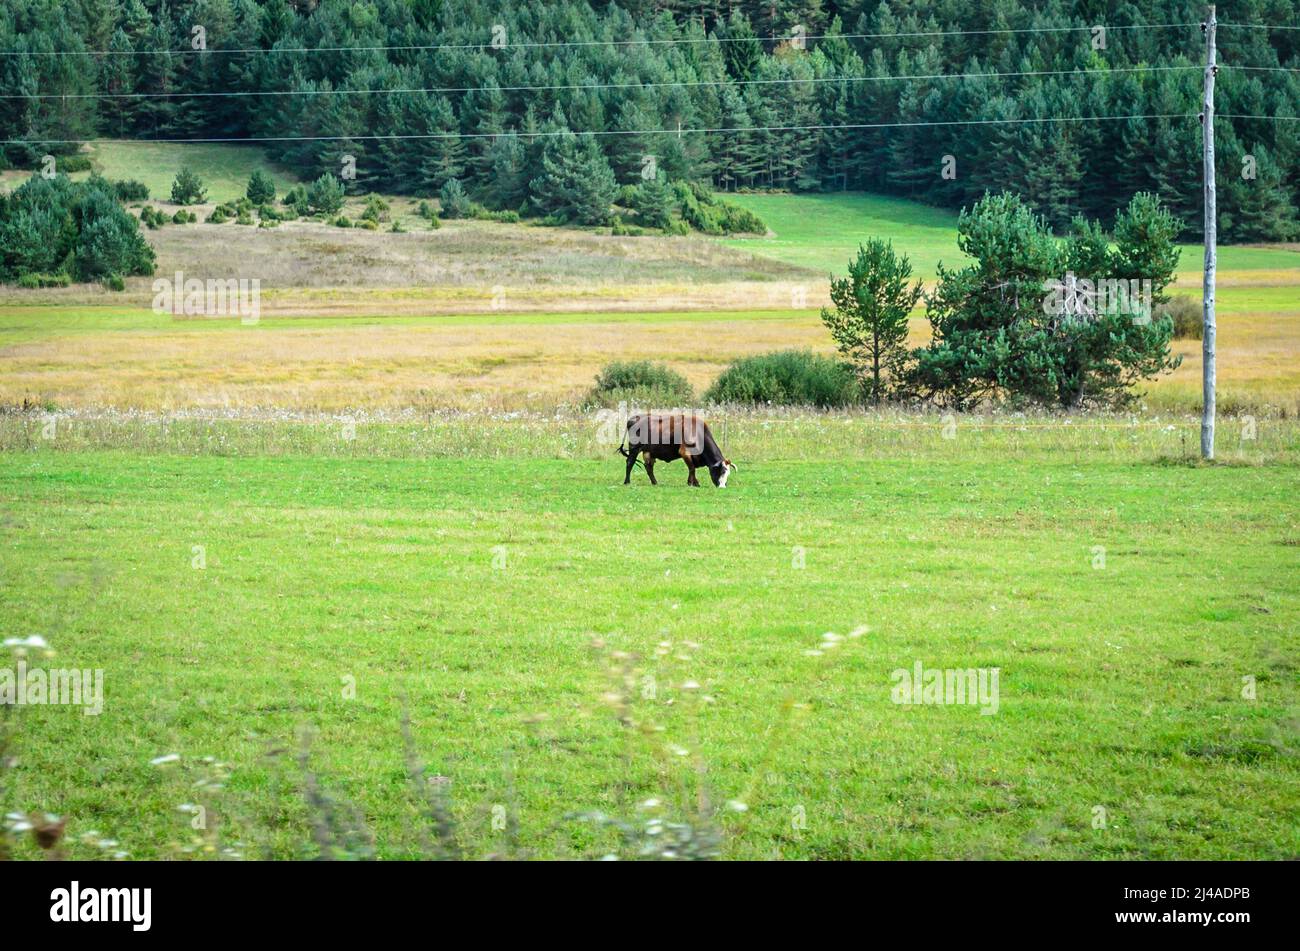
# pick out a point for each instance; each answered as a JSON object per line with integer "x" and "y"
{"x": 468, "y": 591}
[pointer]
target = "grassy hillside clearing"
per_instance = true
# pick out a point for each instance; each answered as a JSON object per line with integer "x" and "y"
{"x": 823, "y": 232}
{"x": 224, "y": 168}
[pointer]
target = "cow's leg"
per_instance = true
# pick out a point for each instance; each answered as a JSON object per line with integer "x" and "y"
{"x": 690, "y": 465}
{"x": 649, "y": 461}
{"x": 631, "y": 461}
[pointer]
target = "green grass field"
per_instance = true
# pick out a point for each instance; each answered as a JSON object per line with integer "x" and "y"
{"x": 824, "y": 231}
{"x": 467, "y": 583}
{"x": 224, "y": 168}
{"x": 280, "y": 540}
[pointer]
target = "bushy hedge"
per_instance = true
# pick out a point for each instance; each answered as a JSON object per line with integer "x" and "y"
{"x": 131, "y": 190}
{"x": 33, "y": 280}
{"x": 705, "y": 212}
{"x": 788, "y": 377}
{"x": 1188, "y": 317}
{"x": 377, "y": 209}
{"x": 54, "y": 226}
{"x": 68, "y": 164}
{"x": 296, "y": 198}
{"x": 641, "y": 383}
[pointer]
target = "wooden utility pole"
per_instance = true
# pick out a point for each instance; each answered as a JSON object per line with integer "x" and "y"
{"x": 1211, "y": 251}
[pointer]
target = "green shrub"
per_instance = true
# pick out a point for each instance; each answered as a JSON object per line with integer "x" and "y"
{"x": 706, "y": 213}
{"x": 654, "y": 204}
{"x": 156, "y": 217}
{"x": 74, "y": 163}
{"x": 188, "y": 188}
{"x": 342, "y": 222}
{"x": 296, "y": 199}
{"x": 480, "y": 213}
{"x": 32, "y": 280}
{"x": 787, "y": 378}
{"x": 377, "y": 209}
{"x": 244, "y": 218}
{"x": 260, "y": 188}
{"x": 1187, "y": 316}
{"x": 111, "y": 245}
{"x": 131, "y": 190}
{"x": 622, "y": 229}
{"x": 640, "y": 383}
{"x": 220, "y": 215}
{"x": 368, "y": 224}
{"x": 60, "y": 228}
{"x": 114, "y": 282}
{"x": 325, "y": 197}
{"x": 737, "y": 220}
{"x": 455, "y": 202}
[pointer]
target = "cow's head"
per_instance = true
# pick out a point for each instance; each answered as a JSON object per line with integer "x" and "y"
{"x": 720, "y": 472}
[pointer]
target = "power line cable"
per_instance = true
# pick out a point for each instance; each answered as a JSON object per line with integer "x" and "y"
{"x": 556, "y": 44}
{"x": 814, "y": 80}
{"x": 1258, "y": 26}
{"x": 605, "y": 132}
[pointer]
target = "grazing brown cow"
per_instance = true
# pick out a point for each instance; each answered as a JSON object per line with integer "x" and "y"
{"x": 674, "y": 436}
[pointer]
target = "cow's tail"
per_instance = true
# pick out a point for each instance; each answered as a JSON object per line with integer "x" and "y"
{"x": 622, "y": 451}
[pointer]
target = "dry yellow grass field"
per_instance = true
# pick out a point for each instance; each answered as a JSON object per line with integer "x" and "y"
{"x": 94, "y": 358}
{"x": 308, "y": 268}
{"x": 486, "y": 315}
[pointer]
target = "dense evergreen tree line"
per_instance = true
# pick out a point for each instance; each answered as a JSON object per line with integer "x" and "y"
{"x": 1060, "y": 168}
